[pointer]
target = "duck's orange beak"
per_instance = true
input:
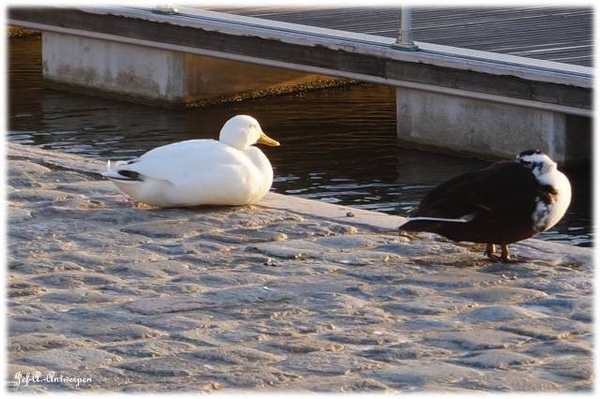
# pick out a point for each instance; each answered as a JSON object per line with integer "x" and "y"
{"x": 266, "y": 140}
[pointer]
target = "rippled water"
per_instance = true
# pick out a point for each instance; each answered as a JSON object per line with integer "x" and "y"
{"x": 338, "y": 145}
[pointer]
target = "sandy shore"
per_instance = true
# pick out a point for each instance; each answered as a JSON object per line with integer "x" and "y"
{"x": 288, "y": 294}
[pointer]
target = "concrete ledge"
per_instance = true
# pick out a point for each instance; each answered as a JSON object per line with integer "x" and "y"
{"x": 338, "y": 213}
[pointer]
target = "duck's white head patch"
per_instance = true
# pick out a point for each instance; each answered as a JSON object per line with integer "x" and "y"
{"x": 538, "y": 162}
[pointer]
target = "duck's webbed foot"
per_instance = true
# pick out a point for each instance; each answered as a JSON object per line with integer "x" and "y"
{"x": 140, "y": 205}
{"x": 505, "y": 257}
{"x": 490, "y": 252}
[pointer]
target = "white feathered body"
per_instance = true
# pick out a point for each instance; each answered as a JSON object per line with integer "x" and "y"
{"x": 195, "y": 172}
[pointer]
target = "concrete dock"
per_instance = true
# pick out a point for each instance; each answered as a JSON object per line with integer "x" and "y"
{"x": 461, "y": 99}
{"x": 286, "y": 295}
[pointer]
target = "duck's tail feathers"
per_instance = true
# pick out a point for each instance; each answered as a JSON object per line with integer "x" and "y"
{"x": 123, "y": 176}
{"x": 424, "y": 223}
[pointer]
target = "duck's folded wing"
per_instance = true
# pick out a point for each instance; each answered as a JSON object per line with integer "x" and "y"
{"x": 500, "y": 185}
{"x": 174, "y": 162}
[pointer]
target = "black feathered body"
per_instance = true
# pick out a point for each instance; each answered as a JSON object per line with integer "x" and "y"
{"x": 498, "y": 202}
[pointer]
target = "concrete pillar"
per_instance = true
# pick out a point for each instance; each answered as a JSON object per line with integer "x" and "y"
{"x": 479, "y": 127}
{"x": 154, "y": 75}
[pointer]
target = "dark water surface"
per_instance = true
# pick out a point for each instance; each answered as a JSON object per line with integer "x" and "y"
{"x": 338, "y": 145}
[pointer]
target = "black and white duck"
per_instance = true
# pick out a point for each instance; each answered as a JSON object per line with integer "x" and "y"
{"x": 504, "y": 203}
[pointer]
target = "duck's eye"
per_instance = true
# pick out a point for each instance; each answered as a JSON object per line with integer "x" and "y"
{"x": 527, "y": 164}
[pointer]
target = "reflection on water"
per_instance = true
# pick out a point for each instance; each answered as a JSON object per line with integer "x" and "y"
{"x": 338, "y": 145}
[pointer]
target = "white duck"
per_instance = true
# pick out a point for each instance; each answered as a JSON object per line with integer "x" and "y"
{"x": 230, "y": 171}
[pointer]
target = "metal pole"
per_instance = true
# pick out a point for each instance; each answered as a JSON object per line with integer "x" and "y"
{"x": 405, "y": 38}
{"x": 165, "y": 8}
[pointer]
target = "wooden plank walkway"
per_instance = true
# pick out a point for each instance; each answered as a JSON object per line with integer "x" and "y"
{"x": 546, "y": 33}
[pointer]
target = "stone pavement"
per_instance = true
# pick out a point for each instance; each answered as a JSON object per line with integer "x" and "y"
{"x": 286, "y": 295}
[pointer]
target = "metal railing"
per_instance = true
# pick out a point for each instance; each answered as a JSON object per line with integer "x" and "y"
{"x": 405, "y": 37}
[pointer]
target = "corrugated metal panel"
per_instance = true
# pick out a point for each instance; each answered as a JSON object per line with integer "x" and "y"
{"x": 547, "y": 33}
